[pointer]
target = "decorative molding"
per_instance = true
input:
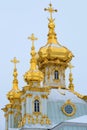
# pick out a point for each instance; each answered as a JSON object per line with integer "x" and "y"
{"x": 69, "y": 103}
{"x": 10, "y": 112}
{"x": 36, "y": 89}
{"x": 34, "y": 119}
{"x": 44, "y": 96}
{"x": 29, "y": 95}
{"x": 23, "y": 99}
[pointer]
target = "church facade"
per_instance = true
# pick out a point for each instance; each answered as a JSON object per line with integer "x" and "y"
{"x": 46, "y": 102}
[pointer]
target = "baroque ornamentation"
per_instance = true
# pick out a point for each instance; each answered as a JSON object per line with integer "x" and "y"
{"x": 69, "y": 109}
{"x": 32, "y": 119}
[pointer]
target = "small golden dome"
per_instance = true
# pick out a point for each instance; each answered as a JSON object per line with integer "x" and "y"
{"x": 15, "y": 92}
{"x": 33, "y": 74}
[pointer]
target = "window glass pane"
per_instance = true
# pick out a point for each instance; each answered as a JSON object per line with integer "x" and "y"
{"x": 36, "y": 106}
{"x": 68, "y": 109}
{"x": 56, "y": 74}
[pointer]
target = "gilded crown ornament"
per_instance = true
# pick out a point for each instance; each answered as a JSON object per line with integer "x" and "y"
{"x": 33, "y": 74}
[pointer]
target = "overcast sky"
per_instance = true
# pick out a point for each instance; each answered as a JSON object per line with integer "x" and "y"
{"x": 20, "y": 18}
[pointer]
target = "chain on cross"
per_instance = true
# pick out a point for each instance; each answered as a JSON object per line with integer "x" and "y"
{"x": 15, "y": 61}
{"x": 50, "y": 10}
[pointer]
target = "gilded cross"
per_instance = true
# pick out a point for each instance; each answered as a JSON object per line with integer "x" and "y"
{"x": 50, "y": 10}
{"x": 32, "y": 38}
{"x": 15, "y": 61}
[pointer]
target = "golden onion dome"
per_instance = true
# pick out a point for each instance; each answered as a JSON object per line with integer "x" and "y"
{"x": 15, "y": 92}
{"x": 34, "y": 74}
{"x": 53, "y": 50}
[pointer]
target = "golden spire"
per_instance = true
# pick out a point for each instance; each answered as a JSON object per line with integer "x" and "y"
{"x": 51, "y": 34}
{"x": 71, "y": 85}
{"x": 33, "y": 74}
{"x": 33, "y": 53}
{"x": 15, "y": 74}
{"x": 14, "y": 91}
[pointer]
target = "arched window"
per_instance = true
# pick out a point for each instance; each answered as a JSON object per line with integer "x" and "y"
{"x": 56, "y": 75}
{"x": 36, "y": 106}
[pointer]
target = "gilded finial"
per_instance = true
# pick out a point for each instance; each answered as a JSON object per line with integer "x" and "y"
{"x": 14, "y": 91}
{"x": 32, "y": 38}
{"x": 71, "y": 85}
{"x": 33, "y": 74}
{"x": 15, "y": 61}
{"x": 15, "y": 74}
{"x": 33, "y": 60}
{"x": 51, "y": 25}
{"x": 50, "y": 10}
{"x": 33, "y": 53}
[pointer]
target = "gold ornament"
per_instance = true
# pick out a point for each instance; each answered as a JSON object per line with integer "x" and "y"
{"x": 71, "y": 85}
{"x": 69, "y": 109}
{"x": 15, "y": 92}
{"x": 53, "y": 53}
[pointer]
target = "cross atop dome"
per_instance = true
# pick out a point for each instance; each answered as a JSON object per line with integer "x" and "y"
{"x": 14, "y": 93}
{"x": 15, "y": 74}
{"x": 51, "y": 10}
{"x": 32, "y": 38}
{"x": 33, "y": 74}
{"x": 15, "y": 61}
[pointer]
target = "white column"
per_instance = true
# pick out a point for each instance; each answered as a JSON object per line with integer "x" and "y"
{"x": 9, "y": 121}
{"x": 22, "y": 108}
{"x": 44, "y": 106}
{"x": 27, "y": 108}
{"x": 30, "y": 106}
{"x": 27, "y": 105}
{"x": 6, "y": 122}
{"x": 12, "y": 118}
